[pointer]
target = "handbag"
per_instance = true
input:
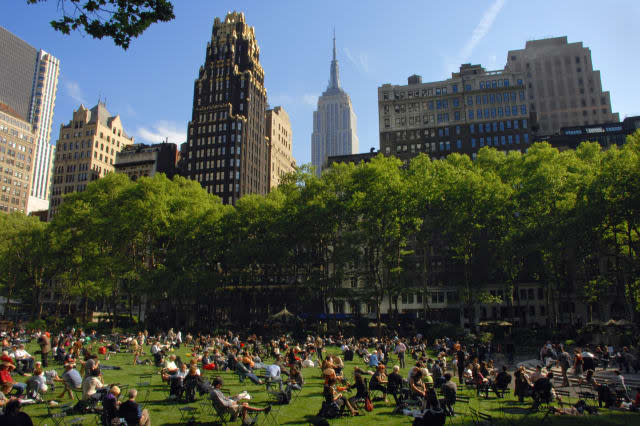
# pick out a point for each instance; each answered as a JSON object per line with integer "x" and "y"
{"x": 367, "y": 404}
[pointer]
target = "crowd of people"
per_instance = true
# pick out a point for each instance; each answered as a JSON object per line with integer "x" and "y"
{"x": 278, "y": 364}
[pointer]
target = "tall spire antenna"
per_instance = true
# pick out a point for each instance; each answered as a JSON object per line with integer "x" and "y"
{"x": 334, "y": 43}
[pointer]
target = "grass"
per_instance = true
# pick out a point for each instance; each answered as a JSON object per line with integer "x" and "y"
{"x": 305, "y": 408}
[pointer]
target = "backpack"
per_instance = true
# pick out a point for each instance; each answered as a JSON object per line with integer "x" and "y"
{"x": 283, "y": 397}
{"x": 431, "y": 418}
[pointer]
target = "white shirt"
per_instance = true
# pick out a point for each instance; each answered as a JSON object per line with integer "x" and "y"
{"x": 21, "y": 353}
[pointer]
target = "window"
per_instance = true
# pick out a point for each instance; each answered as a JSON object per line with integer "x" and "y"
{"x": 540, "y": 293}
{"x": 454, "y": 88}
{"x": 510, "y": 138}
{"x": 457, "y": 130}
{"x": 523, "y": 109}
{"x": 515, "y": 124}
{"x": 492, "y": 99}
{"x": 523, "y": 294}
{"x": 487, "y": 127}
{"x": 503, "y": 140}
{"x": 456, "y": 102}
{"x": 472, "y": 128}
{"x": 459, "y": 144}
{"x": 469, "y": 100}
{"x": 470, "y": 114}
{"x": 526, "y": 138}
{"x": 456, "y": 116}
{"x": 473, "y": 142}
{"x": 485, "y": 99}
{"x": 514, "y": 110}
{"x": 517, "y": 139}
{"x": 506, "y": 83}
{"x": 437, "y": 91}
{"x": 495, "y": 126}
{"x": 467, "y": 87}
{"x": 481, "y": 142}
{"x": 524, "y": 124}
{"x": 499, "y": 111}
{"x": 519, "y": 82}
{"x": 479, "y": 113}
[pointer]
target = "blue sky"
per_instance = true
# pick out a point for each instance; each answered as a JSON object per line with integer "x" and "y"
{"x": 151, "y": 84}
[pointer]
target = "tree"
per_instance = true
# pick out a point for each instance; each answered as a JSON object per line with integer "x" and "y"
{"x": 120, "y": 20}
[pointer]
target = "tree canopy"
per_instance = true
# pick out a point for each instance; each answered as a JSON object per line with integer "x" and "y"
{"x": 356, "y": 235}
{"x": 120, "y": 20}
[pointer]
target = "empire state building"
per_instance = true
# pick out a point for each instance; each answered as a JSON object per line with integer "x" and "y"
{"x": 334, "y": 122}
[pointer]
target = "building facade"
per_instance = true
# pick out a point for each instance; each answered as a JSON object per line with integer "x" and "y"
{"x": 86, "y": 151}
{"x": 472, "y": 109}
{"x": 227, "y": 151}
{"x": 281, "y": 161}
{"x": 142, "y": 160}
{"x": 606, "y": 134}
{"x": 17, "y": 149}
{"x": 564, "y": 88}
{"x": 28, "y": 84}
{"x": 334, "y": 122}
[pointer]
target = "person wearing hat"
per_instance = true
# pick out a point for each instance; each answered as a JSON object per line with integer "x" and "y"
{"x": 6, "y": 381}
{"x": 71, "y": 378}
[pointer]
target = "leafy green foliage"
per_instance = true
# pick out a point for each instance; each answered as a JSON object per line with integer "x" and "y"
{"x": 120, "y": 20}
{"x": 354, "y": 236}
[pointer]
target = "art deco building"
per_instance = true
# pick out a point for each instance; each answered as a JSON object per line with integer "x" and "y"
{"x": 17, "y": 148}
{"x": 472, "y": 109}
{"x": 227, "y": 150}
{"x": 86, "y": 150}
{"x": 281, "y": 159}
{"x": 334, "y": 122}
{"x": 28, "y": 84}
{"x": 142, "y": 160}
{"x": 564, "y": 89}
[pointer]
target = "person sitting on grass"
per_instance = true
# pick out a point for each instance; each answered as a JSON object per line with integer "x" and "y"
{"x": 360, "y": 386}
{"x": 543, "y": 391}
{"x": 332, "y": 394}
{"x": 7, "y": 382}
{"x": 379, "y": 381}
{"x": 231, "y": 405}
{"x": 170, "y": 367}
{"x": 132, "y": 413}
{"x": 417, "y": 386}
{"x": 110, "y": 405}
{"x": 72, "y": 380}
{"x": 501, "y": 382}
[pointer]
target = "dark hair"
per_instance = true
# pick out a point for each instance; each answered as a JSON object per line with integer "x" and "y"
{"x": 95, "y": 372}
{"x": 504, "y": 368}
{"x": 447, "y": 377}
{"x": 12, "y": 407}
{"x": 550, "y": 375}
{"x": 217, "y": 381}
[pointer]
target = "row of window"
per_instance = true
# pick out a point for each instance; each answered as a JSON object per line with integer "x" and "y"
{"x": 497, "y": 126}
{"x": 503, "y": 140}
{"x": 440, "y": 91}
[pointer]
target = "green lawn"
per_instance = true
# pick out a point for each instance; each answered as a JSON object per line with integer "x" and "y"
{"x": 304, "y": 409}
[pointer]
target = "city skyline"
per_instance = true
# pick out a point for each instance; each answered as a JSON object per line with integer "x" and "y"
{"x": 295, "y": 67}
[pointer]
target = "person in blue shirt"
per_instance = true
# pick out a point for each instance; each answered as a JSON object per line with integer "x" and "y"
{"x": 373, "y": 360}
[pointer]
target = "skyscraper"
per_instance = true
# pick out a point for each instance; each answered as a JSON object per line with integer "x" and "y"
{"x": 472, "y": 109}
{"x": 227, "y": 150}
{"x": 564, "y": 89}
{"x": 86, "y": 151}
{"x": 280, "y": 138}
{"x": 334, "y": 122}
{"x": 28, "y": 84}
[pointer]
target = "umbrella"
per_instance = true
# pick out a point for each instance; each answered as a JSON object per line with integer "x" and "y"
{"x": 595, "y": 323}
{"x": 504, "y": 324}
{"x": 284, "y": 314}
{"x": 373, "y": 324}
{"x": 610, "y": 323}
{"x": 624, "y": 323}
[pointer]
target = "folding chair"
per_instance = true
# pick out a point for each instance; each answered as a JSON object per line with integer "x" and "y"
{"x": 186, "y": 412}
{"x": 465, "y": 400}
{"x": 144, "y": 380}
{"x": 57, "y": 413}
{"x": 480, "y": 418}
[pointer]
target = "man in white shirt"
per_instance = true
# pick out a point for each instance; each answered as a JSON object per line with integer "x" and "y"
{"x": 23, "y": 359}
{"x": 401, "y": 348}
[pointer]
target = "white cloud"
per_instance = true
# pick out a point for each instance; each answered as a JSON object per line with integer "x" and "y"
{"x": 481, "y": 30}
{"x": 74, "y": 92}
{"x": 359, "y": 60}
{"x": 161, "y": 130}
